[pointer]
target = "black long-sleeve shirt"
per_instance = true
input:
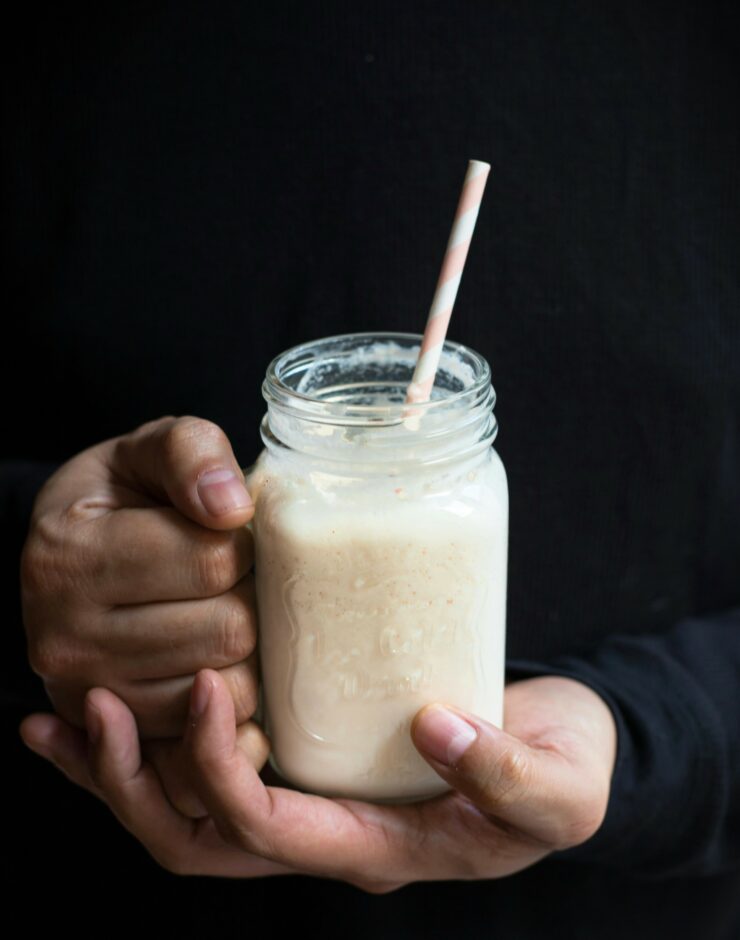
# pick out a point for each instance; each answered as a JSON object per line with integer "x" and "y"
{"x": 190, "y": 188}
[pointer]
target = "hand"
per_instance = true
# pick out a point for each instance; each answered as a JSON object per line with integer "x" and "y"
{"x": 520, "y": 794}
{"x": 68, "y": 747}
{"x": 136, "y": 573}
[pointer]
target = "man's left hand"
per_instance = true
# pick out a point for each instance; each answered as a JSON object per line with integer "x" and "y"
{"x": 519, "y": 794}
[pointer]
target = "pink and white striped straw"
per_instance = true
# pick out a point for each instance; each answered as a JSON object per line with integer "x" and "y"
{"x": 420, "y": 387}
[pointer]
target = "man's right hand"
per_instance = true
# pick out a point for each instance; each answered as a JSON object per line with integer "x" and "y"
{"x": 136, "y": 574}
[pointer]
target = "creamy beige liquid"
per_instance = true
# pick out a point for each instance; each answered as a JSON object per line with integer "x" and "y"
{"x": 373, "y": 602}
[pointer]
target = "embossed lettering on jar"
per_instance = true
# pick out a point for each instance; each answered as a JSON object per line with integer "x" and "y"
{"x": 380, "y": 560}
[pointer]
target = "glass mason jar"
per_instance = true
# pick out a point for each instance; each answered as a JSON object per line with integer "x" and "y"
{"x": 381, "y": 533}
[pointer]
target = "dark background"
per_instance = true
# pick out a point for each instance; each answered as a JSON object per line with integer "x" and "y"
{"x": 190, "y": 188}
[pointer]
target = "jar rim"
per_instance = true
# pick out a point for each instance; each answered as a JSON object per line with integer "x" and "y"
{"x": 276, "y": 390}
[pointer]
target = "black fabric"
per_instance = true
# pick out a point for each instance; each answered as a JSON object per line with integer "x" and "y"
{"x": 191, "y": 188}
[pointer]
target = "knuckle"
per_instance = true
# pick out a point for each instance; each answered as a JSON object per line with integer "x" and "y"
{"x": 53, "y": 657}
{"x": 125, "y": 446}
{"x": 44, "y": 563}
{"x": 215, "y": 567}
{"x": 508, "y": 776}
{"x": 235, "y": 638}
{"x": 85, "y": 508}
{"x": 243, "y": 689}
{"x": 188, "y": 433}
{"x": 56, "y": 560}
{"x": 253, "y": 742}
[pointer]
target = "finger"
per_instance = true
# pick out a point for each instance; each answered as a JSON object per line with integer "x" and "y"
{"x": 133, "y": 792}
{"x": 135, "y": 556}
{"x": 160, "y": 706}
{"x": 173, "y": 768}
{"x": 333, "y": 838}
{"x": 531, "y": 790}
{"x": 176, "y": 638}
{"x": 241, "y": 681}
{"x": 188, "y": 462}
{"x": 62, "y": 744}
{"x": 130, "y": 786}
{"x": 253, "y": 741}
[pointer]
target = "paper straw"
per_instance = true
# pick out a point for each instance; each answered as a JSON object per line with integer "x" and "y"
{"x": 420, "y": 387}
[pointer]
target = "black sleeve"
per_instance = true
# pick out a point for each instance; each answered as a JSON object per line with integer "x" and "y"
{"x": 674, "y": 808}
{"x": 21, "y": 690}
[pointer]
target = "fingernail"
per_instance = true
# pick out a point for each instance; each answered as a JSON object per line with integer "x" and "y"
{"x": 93, "y": 722}
{"x": 199, "y": 698}
{"x": 221, "y": 491}
{"x": 443, "y": 735}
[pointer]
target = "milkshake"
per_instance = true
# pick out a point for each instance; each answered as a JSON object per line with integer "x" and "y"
{"x": 380, "y": 561}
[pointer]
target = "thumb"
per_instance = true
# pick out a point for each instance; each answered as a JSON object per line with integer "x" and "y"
{"x": 189, "y": 463}
{"x": 528, "y": 789}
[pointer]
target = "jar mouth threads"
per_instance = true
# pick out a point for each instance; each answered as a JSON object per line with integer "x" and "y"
{"x": 342, "y": 398}
{"x": 361, "y": 378}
